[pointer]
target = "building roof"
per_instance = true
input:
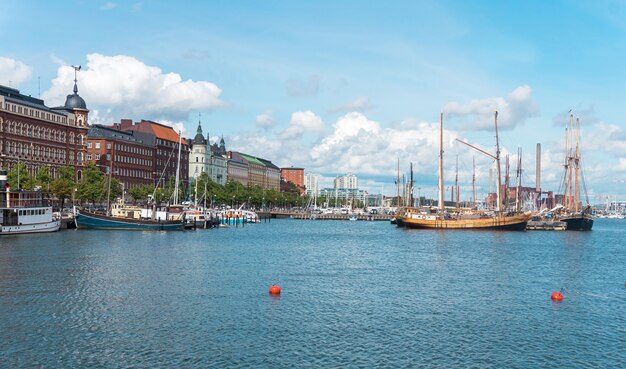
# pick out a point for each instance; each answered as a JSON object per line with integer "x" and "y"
{"x": 74, "y": 101}
{"x": 258, "y": 161}
{"x": 236, "y": 157}
{"x": 98, "y": 131}
{"x": 199, "y": 139}
{"x": 268, "y": 164}
{"x": 159, "y": 130}
{"x": 251, "y": 159}
{"x": 15, "y": 96}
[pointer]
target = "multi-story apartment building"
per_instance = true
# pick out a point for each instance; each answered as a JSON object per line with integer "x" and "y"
{"x": 252, "y": 171}
{"x": 311, "y": 184}
{"x": 237, "y": 168}
{"x": 40, "y": 136}
{"x": 348, "y": 181}
{"x": 342, "y": 194}
{"x": 128, "y": 154}
{"x": 293, "y": 175}
{"x": 272, "y": 175}
{"x": 167, "y": 141}
{"x": 207, "y": 158}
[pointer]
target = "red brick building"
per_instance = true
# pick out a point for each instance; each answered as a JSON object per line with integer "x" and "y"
{"x": 293, "y": 175}
{"x": 166, "y": 149}
{"x": 40, "y": 136}
{"x": 129, "y": 154}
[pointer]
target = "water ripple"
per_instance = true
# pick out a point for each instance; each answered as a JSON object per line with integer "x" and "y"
{"x": 355, "y": 295}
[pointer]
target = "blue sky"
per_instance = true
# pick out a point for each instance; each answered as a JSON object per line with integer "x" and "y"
{"x": 345, "y": 86}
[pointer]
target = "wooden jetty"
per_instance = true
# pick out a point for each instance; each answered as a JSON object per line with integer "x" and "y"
{"x": 546, "y": 225}
{"x": 315, "y": 216}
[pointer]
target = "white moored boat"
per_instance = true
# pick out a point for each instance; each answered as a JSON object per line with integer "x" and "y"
{"x": 24, "y": 211}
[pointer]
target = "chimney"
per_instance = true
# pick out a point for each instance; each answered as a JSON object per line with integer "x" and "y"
{"x": 538, "y": 171}
{"x": 125, "y": 124}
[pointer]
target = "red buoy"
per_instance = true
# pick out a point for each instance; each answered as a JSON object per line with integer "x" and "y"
{"x": 274, "y": 290}
{"x": 557, "y": 296}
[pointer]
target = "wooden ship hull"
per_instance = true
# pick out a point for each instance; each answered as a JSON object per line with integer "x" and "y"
{"x": 436, "y": 221}
{"x": 88, "y": 220}
{"x": 578, "y": 222}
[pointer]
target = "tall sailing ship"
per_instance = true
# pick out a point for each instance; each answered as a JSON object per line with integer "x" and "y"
{"x": 440, "y": 219}
{"x": 571, "y": 211}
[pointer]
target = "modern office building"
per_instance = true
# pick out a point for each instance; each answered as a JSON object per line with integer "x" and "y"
{"x": 311, "y": 184}
{"x": 348, "y": 181}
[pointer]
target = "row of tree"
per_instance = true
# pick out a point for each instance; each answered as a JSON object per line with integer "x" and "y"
{"x": 96, "y": 187}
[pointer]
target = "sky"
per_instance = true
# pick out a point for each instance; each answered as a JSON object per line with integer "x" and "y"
{"x": 340, "y": 87}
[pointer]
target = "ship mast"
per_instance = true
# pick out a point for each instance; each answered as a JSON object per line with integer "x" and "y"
{"x": 566, "y": 166}
{"x": 576, "y": 161}
{"x": 570, "y": 162}
{"x": 456, "y": 182}
{"x": 519, "y": 180}
{"x": 496, "y": 158}
{"x": 507, "y": 178}
{"x": 441, "y": 206}
{"x": 177, "y": 170}
{"x": 474, "y": 180}
{"x": 498, "y": 190}
{"x": 397, "y": 185}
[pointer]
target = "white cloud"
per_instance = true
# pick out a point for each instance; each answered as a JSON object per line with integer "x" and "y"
{"x": 360, "y": 145}
{"x": 265, "y": 120}
{"x": 13, "y": 72}
{"x": 360, "y": 104}
{"x": 605, "y": 137}
{"x": 302, "y": 122}
{"x": 515, "y": 109}
{"x": 126, "y": 87}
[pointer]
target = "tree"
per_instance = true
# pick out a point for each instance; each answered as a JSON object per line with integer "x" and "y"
{"x": 115, "y": 188}
{"x": 141, "y": 192}
{"x": 44, "y": 178}
{"x": 63, "y": 187}
{"x": 93, "y": 185}
{"x": 18, "y": 173}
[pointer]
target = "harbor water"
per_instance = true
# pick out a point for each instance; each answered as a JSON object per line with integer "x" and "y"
{"x": 354, "y": 295}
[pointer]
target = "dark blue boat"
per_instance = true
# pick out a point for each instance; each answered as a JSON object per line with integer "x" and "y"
{"x": 89, "y": 220}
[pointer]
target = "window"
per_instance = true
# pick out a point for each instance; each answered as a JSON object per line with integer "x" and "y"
{"x": 89, "y": 145}
{"x": 97, "y": 145}
{"x": 108, "y": 146}
{"x": 109, "y": 157}
{"x": 97, "y": 156}
{"x": 88, "y": 156}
